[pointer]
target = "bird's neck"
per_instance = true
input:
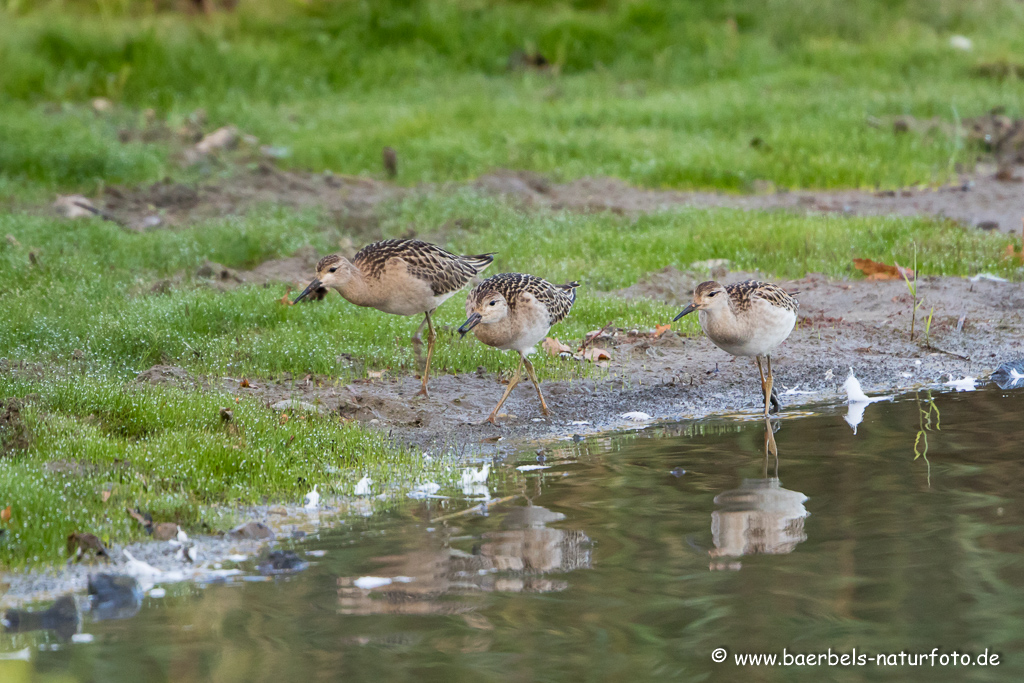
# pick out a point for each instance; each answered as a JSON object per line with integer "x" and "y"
{"x": 355, "y": 289}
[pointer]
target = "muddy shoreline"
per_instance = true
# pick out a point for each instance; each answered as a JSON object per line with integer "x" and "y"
{"x": 860, "y": 324}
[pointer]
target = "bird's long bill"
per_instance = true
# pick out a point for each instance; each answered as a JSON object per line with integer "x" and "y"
{"x": 472, "y": 322}
{"x": 313, "y": 286}
{"x": 690, "y": 308}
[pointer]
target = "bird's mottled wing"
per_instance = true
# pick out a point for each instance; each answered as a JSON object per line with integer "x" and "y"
{"x": 446, "y": 272}
{"x": 557, "y": 299}
{"x": 743, "y": 293}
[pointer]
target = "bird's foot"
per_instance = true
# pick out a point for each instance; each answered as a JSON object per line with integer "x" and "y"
{"x": 423, "y": 392}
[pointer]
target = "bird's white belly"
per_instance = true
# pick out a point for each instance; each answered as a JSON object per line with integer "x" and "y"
{"x": 752, "y": 335}
{"x": 531, "y": 333}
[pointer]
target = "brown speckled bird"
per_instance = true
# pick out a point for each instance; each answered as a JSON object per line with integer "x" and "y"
{"x": 748, "y": 318}
{"x": 514, "y": 311}
{"x": 402, "y": 277}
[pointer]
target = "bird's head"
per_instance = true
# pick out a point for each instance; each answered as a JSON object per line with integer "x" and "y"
{"x": 485, "y": 307}
{"x": 707, "y": 296}
{"x": 332, "y": 272}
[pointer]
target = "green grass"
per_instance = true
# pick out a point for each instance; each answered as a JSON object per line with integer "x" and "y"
{"x": 91, "y": 288}
{"x": 659, "y": 93}
{"x": 170, "y": 453}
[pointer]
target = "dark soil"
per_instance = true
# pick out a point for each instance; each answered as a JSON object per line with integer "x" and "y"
{"x": 990, "y": 198}
{"x": 15, "y": 435}
{"x": 978, "y": 200}
{"x": 863, "y": 325}
{"x": 350, "y": 201}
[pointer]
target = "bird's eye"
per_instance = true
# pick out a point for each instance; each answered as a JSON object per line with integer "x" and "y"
{"x": 713, "y": 294}
{"x": 494, "y": 302}
{"x": 333, "y": 269}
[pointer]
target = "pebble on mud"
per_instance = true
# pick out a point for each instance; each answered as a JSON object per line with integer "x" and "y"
{"x": 252, "y": 530}
{"x": 281, "y": 562}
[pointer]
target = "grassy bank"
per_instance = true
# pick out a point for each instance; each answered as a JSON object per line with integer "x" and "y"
{"x": 82, "y": 319}
{"x": 689, "y": 95}
{"x": 695, "y": 94}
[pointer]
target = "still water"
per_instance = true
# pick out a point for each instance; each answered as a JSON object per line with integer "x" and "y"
{"x": 634, "y": 557}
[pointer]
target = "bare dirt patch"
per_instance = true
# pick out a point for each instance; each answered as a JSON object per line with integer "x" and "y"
{"x": 15, "y": 435}
{"x": 980, "y": 199}
{"x": 860, "y": 324}
{"x": 349, "y": 200}
{"x": 989, "y": 198}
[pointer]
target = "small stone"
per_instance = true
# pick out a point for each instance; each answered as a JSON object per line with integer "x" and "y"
{"x": 292, "y": 404}
{"x": 253, "y": 530}
{"x": 165, "y": 531}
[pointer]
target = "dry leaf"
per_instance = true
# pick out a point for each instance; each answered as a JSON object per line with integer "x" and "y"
{"x": 594, "y": 354}
{"x": 284, "y": 418}
{"x": 1012, "y": 253}
{"x": 244, "y": 384}
{"x": 554, "y": 347}
{"x": 286, "y": 300}
{"x": 661, "y": 329}
{"x": 222, "y": 138}
{"x": 5, "y": 515}
{"x": 105, "y": 496}
{"x": 375, "y": 374}
{"x": 142, "y": 519}
{"x": 880, "y": 271}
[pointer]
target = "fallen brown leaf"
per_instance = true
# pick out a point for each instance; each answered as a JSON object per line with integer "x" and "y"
{"x": 286, "y": 300}
{"x": 594, "y": 354}
{"x": 284, "y": 418}
{"x": 1012, "y": 253}
{"x": 244, "y": 384}
{"x": 105, "y": 495}
{"x": 554, "y": 347}
{"x": 142, "y": 519}
{"x": 661, "y": 329}
{"x": 222, "y": 138}
{"x": 881, "y": 271}
{"x": 5, "y": 514}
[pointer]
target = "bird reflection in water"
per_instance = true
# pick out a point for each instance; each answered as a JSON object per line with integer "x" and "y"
{"x": 518, "y": 557}
{"x": 760, "y": 517}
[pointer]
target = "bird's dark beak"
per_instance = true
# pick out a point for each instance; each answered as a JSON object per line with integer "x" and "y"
{"x": 313, "y": 286}
{"x": 690, "y": 308}
{"x": 472, "y": 322}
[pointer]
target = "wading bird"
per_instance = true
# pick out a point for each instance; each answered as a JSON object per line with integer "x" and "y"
{"x": 402, "y": 277}
{"x": 514, "y": 311}
{"x": 746, "y": 319}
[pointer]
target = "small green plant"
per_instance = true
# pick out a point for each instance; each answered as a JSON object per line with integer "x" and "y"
{"x": 928, "y": 327}
{"x": 912, "y": 288}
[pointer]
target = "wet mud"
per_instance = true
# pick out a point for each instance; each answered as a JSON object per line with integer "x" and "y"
{"x": 863, "y": 325}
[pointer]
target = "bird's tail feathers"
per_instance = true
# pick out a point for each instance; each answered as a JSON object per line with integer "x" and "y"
{"x": 479, "y": 261}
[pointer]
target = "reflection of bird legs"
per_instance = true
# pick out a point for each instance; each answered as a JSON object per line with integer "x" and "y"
{"x": 508, "y": 390}
{"x": 770, "y": 446}
{"x": 417, "y": 340}
{"x": 771, "y": 398}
